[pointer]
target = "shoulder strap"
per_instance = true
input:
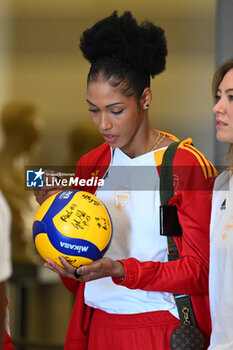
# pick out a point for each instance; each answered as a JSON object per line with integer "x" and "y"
{"x": 166, "y": 177}
{"x": 166, "y": 193}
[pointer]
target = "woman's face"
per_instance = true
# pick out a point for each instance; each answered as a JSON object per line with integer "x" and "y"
{"x": 224, "y": 109}
{"x": 118, "y": 118}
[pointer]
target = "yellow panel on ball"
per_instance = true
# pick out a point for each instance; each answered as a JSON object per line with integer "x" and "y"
{"x": 85, "y": 217}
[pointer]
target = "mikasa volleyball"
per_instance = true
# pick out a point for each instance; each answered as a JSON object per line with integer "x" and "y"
{"x": 72, "y": 224}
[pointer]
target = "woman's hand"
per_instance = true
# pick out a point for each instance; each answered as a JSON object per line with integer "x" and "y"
{"x": 42, "y": 193}
{"x": 66, "y": 271}
{"x": 104, "y": 267}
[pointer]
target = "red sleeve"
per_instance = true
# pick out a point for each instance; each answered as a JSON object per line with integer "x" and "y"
{"x": 70, "y": 284}
{"x": 192, "y": 175}
{"x": 7, "y": 345}
{"x": 93, "y": 165}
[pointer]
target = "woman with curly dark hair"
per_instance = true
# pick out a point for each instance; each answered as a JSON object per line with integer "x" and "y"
{"x": 133, "y": 306}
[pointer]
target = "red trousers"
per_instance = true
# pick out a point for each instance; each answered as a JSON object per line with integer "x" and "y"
{"x": 144, "y": 331}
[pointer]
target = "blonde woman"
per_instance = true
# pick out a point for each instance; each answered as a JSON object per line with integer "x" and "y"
{"x": 221, "y": 228}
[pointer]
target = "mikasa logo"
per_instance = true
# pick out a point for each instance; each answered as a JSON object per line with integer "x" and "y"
{"x": 79, "y": 248}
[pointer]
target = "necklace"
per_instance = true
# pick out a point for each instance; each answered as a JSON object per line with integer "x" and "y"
{"x": 157, "y": 142}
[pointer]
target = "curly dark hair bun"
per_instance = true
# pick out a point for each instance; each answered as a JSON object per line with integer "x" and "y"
{"x": 142, "y": 47}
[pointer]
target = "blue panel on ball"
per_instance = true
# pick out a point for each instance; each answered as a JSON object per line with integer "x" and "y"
{"x": 67, "y": 245}
{"x": 38, "y": 227}
{"x": 60, "y": 201}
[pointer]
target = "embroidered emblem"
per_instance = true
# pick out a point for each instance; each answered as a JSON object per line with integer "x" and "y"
{"x": 175, "y": 181}
{"x": 228, "y": 229}
{"x": 121, "y": 197}
{"x": 95, "y": 173}
{"x": 223, "y": 205}
{"x": 224, "y": 236}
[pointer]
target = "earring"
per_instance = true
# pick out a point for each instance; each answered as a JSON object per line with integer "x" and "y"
{"x": 146, "y": 106}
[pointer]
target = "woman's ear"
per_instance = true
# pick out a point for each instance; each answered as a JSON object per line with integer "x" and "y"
{"x": 146, "y": 98}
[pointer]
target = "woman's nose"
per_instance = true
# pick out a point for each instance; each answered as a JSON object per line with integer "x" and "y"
{"x": 219, "y": 107}
{"x": 105, "y": 122}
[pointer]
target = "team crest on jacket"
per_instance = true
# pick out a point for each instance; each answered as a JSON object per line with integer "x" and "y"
{"x": 175, "y": 181}
{"x": 121, "y": 197}
{"x": 228, "y": 229}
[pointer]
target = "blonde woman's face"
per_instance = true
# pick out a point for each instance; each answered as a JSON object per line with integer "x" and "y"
{"x": 223, "y": 109}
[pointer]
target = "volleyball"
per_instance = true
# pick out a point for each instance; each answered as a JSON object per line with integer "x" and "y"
{"x": 72, "y": 224}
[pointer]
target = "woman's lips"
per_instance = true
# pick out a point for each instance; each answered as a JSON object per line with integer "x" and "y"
{"x": 220, "y": 124}
{"x": 110, "y": 138}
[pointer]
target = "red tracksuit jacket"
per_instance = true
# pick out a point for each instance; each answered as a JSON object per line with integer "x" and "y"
{"x": 189, "y": 274}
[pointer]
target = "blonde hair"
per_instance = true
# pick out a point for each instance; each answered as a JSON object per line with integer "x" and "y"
{"x": 229, "y": 158}
{"x": 218, "y": 77}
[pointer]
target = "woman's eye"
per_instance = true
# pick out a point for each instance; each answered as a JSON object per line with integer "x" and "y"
{"x": 117, "y": 112}
{"x": 231, "y": 97}
{"x": 93, "y": 110}
{"x": 217, "y": 98}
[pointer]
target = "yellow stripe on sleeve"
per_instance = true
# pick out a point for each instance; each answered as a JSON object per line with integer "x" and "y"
{"x": 204, "y": 163}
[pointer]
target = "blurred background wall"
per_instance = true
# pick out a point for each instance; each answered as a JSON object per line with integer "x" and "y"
{"x": 43, "y": 62}
{"x": 40, "y": 61}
